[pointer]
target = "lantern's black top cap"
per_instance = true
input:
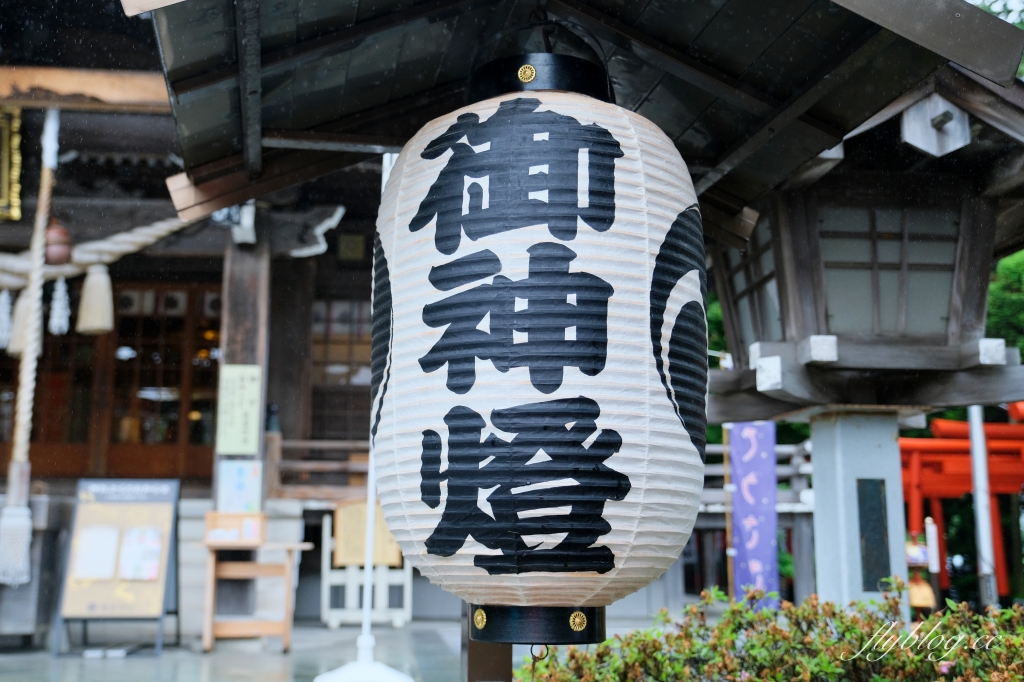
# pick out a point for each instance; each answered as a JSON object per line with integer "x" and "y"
{"x": 539, "y": 55}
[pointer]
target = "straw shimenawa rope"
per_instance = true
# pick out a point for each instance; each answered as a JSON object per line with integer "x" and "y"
{"x": 15, "y": 268}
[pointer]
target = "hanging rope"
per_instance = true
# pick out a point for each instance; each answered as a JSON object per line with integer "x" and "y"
{"x": 14, "y": 268}
{"x": 16, "y": 518}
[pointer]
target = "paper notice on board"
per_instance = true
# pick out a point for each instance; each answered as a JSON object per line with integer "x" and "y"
{"x": 239, "y": 410}
{"x": 239, "y": 486}
{"x": 140, "y": 554}
{"x": 96, "y": 556}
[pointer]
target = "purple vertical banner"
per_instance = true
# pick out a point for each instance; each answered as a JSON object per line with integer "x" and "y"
{"x": 754, "y": 519}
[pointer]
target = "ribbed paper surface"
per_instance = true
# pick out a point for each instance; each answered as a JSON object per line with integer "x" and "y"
{"x": 647, "y": 381}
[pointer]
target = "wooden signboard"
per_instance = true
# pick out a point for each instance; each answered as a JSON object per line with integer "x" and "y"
{"x": 350, "y": 537}
{"x": 120, "y": 544}
{"x": 235, "y": 530}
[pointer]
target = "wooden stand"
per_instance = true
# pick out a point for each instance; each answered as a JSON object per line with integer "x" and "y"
{"x": 249, "y": 570}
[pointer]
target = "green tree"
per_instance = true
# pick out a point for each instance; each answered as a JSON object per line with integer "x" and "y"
{"x": 1006, "y": 301}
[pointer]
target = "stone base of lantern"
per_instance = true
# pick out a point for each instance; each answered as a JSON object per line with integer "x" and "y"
{"x": 537, "y": 624}
{"x": 859, "y": 529}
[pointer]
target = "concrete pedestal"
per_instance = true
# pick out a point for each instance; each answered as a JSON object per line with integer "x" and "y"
{"x": 859, "y": 527}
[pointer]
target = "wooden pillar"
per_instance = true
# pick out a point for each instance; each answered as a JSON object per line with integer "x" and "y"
{"x": 101, "y": 411}
{"x": 245, "y": 316}
{"x": 291, "y": 315}
{"x": 483, "y": 661}
{"x": 245, "y": 313}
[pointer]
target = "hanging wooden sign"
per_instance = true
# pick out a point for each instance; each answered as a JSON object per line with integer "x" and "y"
{"x": 10, "y": 163}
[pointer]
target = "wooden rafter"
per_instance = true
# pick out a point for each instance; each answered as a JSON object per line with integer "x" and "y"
{"x": 787, "y": 113}
{"x": 307, "y": 51}
{"x": 675, "y": 62}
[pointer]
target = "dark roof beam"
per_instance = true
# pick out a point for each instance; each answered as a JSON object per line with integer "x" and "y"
{"x": 360, "y": 121}
{"x": 954, "y": 29}
{"x": 225, "y": 182}
{"x": 796, "y": 106}
{"x": 331, "y": 142}
{"x": 304, "y": 52}
{"x": 250, "y": 86}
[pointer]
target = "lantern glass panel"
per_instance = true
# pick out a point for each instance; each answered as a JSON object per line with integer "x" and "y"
{"x": 772, "y": 316}
{"x": 849, "y": 299}
{"x": 767, "y": 262}
{"x": 754, "y": 290}
{"x": 746, "y": 320}
{"x": 844, "y": 219}
{"x": 928, "y": 302}
{"x": 895, "y": 276}
{"x": 931, "y": 253}
{"x": 739, "y": 281}
{"x": 931, "y": 221}
{"x": 846, "y": 250}
{"x": 889, "y": 301}
{"x": 889, "y": 250}
{"x": 889, "y": 221}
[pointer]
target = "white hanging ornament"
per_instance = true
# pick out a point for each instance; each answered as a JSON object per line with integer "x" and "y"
{"x": 60, "y": 309}
{"x": 5, "y": 318}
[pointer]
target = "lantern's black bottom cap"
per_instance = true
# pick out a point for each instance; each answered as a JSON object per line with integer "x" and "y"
{"x": 537, "y": 624}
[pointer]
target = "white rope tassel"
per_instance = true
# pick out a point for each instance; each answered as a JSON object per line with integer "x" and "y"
{"x": 96, "y": 307}
{"x": 60, "y": 309}
{"x": 19, "y": 324}
{"x": 5, "y": 318}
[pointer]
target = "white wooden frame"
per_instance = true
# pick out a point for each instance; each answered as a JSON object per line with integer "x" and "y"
{"x": 351, "y": 578}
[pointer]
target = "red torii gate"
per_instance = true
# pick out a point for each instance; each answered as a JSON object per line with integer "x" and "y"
{"x": 940, "y": 467}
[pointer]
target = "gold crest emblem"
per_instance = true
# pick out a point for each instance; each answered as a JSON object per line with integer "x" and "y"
{"x": 527, "y": 73}
{"x": 577, "y": 621}
{"x": 479, "y": 619}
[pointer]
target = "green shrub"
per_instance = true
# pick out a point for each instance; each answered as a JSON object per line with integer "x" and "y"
{"x": 810, "y": 641}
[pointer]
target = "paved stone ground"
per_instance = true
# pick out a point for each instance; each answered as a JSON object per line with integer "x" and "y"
{"x": 429, "y": 652}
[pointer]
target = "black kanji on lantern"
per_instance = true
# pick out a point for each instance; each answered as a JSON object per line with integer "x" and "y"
{"x": 551, "y": 320}
{"x": 520, "y": 167}
{"x": 538, "y": 499}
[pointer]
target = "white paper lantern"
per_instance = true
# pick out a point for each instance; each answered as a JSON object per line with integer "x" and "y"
{"x": 540, "y": 351}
